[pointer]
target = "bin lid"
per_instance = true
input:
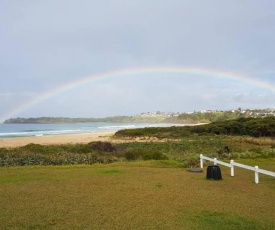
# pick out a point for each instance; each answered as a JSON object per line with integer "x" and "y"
{"x": 195, "y": 170}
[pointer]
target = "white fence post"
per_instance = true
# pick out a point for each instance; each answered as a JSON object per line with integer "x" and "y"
{"x": 232, "y": 167}
{"x": 201, "y": 161}
{"x": 233, "y": 164}
{"x": 256, "y": 174}
{"x": 215, "y": 161}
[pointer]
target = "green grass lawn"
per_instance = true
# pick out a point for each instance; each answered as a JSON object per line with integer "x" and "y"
{"x": 134, "y": 196}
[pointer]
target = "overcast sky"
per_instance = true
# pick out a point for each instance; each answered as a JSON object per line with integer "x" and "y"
{"x": 45, "y": 44}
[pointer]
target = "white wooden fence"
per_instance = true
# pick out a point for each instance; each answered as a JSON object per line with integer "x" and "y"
{"x": 232, "y": 164}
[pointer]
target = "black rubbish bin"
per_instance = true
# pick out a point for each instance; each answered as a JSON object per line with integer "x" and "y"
{"x": 214, "y": 172}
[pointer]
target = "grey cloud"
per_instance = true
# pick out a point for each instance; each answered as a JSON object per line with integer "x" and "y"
{"x": 49, "y": 43}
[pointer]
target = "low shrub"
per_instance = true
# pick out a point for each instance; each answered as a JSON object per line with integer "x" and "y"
{"x": 102, "y": 146}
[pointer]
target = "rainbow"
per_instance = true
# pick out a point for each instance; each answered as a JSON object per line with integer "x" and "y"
{"x": 137, "y": 71}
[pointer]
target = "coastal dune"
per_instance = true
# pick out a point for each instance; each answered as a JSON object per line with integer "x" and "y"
{"x": 55, "y": 139}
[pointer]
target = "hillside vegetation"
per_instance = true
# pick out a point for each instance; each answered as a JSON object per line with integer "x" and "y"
{"x": 255, "y": 127}
{"x": 177, "y": 146}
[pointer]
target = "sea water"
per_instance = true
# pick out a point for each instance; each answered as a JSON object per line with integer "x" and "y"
{"x": 26, "y": 130}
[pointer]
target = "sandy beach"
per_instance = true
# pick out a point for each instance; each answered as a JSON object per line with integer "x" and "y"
{"x": 56, "y": 139}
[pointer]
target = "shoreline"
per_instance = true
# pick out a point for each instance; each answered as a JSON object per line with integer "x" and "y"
{"x": 56, "y": 139}
{"x": 80, "y": 138}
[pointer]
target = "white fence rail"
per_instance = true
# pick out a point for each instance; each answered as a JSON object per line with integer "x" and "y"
{"x": 232, "y": 164}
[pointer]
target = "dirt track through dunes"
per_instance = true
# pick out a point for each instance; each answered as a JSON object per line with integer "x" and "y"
{"x": 131, "y": 197}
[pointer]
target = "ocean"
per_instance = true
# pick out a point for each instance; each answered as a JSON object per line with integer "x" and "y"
{"x": 27, "y": 130}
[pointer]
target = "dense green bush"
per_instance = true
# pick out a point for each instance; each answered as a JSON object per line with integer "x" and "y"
{"x": 255, "y": 127}
{"x": 102, "y": 146}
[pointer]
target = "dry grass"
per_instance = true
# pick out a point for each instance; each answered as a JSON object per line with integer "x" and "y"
{"x": 133, "y": 197}
{"x": 260, "y": 141}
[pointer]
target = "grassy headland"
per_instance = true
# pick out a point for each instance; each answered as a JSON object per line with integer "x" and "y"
{"x": 138, "y": 180}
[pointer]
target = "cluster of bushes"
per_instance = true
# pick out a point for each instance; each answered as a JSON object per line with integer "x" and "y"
{"x": 255, "y": 127}
{"x": 185, "y": 152}
{"x": 101, "y": 152}
{"x": 34, "y": 154}
{"x": 94, "y": 152}
{"x": 158, "y": 132}
{"x": 15, "y": 159}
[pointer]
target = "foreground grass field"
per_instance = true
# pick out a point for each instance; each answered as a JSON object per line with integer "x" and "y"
{"x": 137, "y": 195}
